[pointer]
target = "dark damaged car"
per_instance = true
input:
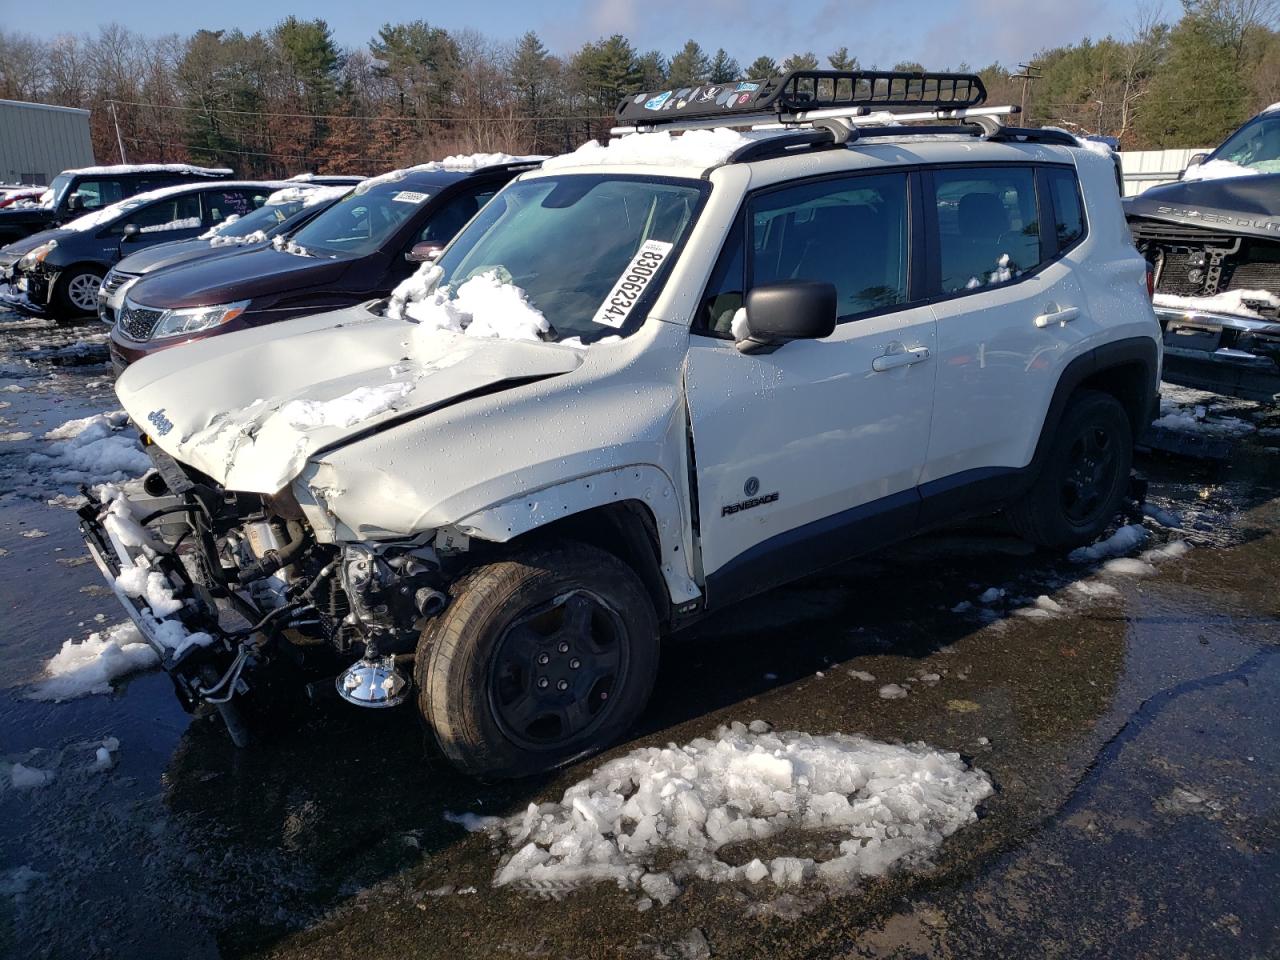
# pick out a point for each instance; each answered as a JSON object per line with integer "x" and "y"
{"x": 1213, "y": 242}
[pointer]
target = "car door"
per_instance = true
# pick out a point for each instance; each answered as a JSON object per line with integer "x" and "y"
{"x": 1010, "y": 314}
{"x": 812, "y": 452}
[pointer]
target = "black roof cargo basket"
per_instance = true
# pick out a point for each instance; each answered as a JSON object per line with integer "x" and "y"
{"x": 806, "y": 90}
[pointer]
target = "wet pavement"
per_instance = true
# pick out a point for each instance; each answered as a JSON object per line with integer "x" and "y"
{"x": 1132, "y": 739}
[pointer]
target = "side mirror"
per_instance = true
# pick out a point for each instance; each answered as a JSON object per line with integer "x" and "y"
{"x": 424, "y": 252}
{"x": 130, "y": 231}
{"x": 75, "y": 203}
{"x": 780, "y": 312}
{"x": 1194, "y": 161}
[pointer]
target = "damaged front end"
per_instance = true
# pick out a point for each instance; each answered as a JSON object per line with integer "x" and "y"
{"x": 1214, "y": 250}
{"x": 228, "y": 588}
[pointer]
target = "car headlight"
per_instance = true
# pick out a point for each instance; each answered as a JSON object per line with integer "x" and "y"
{"x": 38, "y": 254}
{"x": 177, "y": 323}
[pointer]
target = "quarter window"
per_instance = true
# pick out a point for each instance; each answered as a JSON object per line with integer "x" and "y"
{"x": 1067, "y": 212}
{"x": 988, "y": 226}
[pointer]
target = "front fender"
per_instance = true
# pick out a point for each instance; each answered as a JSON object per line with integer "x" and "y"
{"x": 644, "y": 483}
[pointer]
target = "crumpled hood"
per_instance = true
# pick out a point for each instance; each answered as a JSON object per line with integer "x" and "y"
{"x": 27, "y": 244}
{"x": 1248, "y": 204}
{"x": 250, "y": 408}
{"x": 213, "y": 280}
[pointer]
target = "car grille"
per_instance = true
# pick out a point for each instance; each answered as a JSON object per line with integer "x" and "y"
{"x": 115, "y": 280}
{"x": 138, "y": 323}
{"x": 1195, "y": 262}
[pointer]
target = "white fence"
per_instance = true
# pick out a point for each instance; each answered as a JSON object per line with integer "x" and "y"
{"x": 1148, "y": 168}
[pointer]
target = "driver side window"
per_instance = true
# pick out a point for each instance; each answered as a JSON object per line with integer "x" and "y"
{"x": 453, "y": 216}
{"x": 851, "y": 232}
{"x": 95, "y": 194}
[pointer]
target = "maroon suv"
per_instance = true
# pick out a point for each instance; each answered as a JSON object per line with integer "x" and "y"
{"x": 355, "y": 251}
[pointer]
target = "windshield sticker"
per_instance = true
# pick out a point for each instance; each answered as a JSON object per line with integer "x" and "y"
{"x": 411, "y": 196}
{"x": 626, "y": 292}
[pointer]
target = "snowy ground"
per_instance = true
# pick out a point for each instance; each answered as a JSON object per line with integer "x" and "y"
{"x": 972, "y": 763}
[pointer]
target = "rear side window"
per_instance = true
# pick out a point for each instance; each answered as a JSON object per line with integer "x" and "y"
{"x": 173, "y": 213}
{"x": 95, "y": 194}
{"x": 988, "y": 226}
{"x": 1068, "y": 214}
{"x": 221, "y": 204}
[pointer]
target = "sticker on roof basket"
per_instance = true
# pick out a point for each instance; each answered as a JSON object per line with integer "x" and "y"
{"x": 627, "y": 291}
{"x": 411, "y": 196}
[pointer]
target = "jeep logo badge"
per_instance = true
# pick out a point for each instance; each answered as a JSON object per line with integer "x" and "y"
{"x": 751, "y": 487}
{"x": 158, "y": 420}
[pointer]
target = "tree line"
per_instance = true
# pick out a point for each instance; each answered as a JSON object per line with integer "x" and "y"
{"x": 291, "y": 98}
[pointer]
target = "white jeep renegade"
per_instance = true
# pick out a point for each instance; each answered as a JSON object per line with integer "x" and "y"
{"x": 648, "y": 380}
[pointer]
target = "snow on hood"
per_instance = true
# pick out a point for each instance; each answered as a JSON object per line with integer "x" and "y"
{"x": 694, "y": 148}
{"x": 250, "y": 408}
{"x": 483, "y": 306}
{"x": 1218, "y": 170}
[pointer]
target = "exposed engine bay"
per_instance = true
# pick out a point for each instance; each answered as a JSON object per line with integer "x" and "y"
{"x": 256, "y": 587}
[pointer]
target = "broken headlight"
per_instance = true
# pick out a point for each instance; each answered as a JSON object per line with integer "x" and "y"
{"x": 37, "y": 255}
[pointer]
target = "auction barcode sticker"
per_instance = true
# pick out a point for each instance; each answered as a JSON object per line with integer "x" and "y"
{"x": 410, "y": 196}
{"x": 626, "y": 292}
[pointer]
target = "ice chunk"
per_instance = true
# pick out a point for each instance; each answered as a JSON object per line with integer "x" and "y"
{"x": 89, "y": 666}
{"x": 473, "y": 823}
{"x": 862, "y": 675}
{"x": 676, "y": 806}
{"x": 1095, "y": 589}
{"x": 1128, "y": 566}
{"x": 1122, "y": 541}
{"x": 891, "y": 691}
{"x": 27, "y": 778}
{"x": 991, "y": 595}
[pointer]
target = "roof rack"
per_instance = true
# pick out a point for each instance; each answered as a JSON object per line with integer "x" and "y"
{"x": 832, "y": 108}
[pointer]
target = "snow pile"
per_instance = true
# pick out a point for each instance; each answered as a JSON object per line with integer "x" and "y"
{"x": 679, "y": 806}
{"x": 1177, "y": 417}
{"x": 1218, "y": 170}
{"x": 79, "y": 669}
{"x": 186, "y": 223}
{"x": 1122, "y": 541}
{"x": 188, "y": 168}
{"x": 347, "y": 410}
{"x": 1229, "y": 301}
{"x": 484, "y": 306}
{"x": 22, "y": 777}
{"x": 694, "y": 148}
{"x": 91, "y": 450}
{"x": 218, "y": 240}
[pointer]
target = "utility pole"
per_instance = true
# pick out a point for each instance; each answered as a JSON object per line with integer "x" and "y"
{"x": 1029, "y": 75}
{"x": 119, "y": 139}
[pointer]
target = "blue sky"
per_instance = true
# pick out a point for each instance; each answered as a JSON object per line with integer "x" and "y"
{"x": 938, "y": 33}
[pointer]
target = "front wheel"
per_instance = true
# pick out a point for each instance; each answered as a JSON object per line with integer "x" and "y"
{"x": 1082, "y": 484}
{"x": 538, "y": 660}
{"x": 77, "y": 293}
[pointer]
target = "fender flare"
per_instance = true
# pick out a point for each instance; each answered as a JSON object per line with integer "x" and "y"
{"x": 644, "y": 483}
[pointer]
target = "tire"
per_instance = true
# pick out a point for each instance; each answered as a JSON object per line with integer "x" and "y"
{"x": 1085, "y": 475}
{"x": 566, "y": 614}
{"x": 71, "y": 298}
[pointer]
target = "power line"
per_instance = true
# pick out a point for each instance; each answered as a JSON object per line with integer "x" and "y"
{"x": 348, "y": 116}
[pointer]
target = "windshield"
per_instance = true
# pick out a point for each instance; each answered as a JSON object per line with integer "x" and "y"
{"x": 265, "y": 218}
{"x": 583, "y": 248}
{"x": 360, "y": 223}
{"x": 1256, "y": 145}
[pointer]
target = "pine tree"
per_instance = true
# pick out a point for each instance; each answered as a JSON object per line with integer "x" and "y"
{"x": 840, "y": 60}
{"x": 688, "y": 67}
{"x": 653, "y": 69}
{"x": 762, "y": 67}
{"x": 800, "y": 61}
{"x": 723, "y": 68}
